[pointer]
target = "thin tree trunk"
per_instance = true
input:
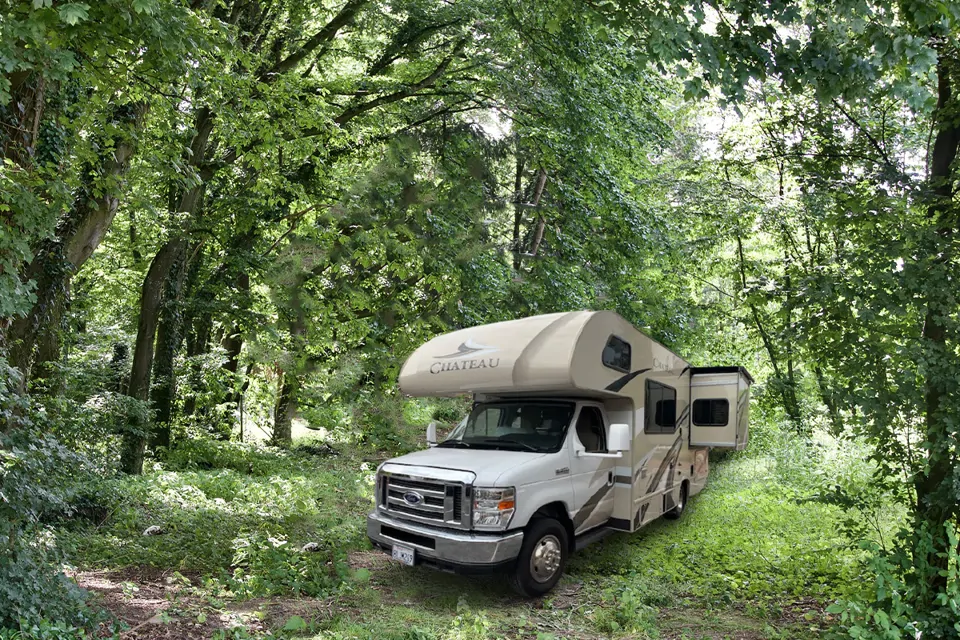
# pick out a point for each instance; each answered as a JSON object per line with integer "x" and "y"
{"x": 541, "y": 221}
{"x": 286, "y": 409}
{"x": 517, "y": 208}
{"x": 199, "y": 321}
{"x": 233, "y": 343}
{"x": 934, "y": 488}
{"x": 828, "y": 397}
{"x": 289, "y": 384}
{"x": 169, "y": 338}
{"x": 789, "y": 405}
{"x": 135, "y": 440}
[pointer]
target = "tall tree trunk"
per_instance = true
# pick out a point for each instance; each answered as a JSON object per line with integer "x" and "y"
{"x": 936, "y": 504}
{"x": 829, "y": 399}
{"x": 289, "y": 384}
{"x": 169, "y": 338}
{"x": 791, "y": 402}
{"x": 517, "y": 208}
{"x": 233, "y": 342}
{"x": 198, "y": 323}
{"x": 36, "y": 336}
{"x": 135, "y": 440}
{"x": 790, "y": 405}
{"x": 286, "y": 409}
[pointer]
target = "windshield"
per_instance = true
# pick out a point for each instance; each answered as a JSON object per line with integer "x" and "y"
{"x": 520, "y": 425}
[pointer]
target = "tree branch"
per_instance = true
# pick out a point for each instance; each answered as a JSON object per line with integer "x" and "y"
{"x": 406, "y": 92}
{"x": 322, "y": 37}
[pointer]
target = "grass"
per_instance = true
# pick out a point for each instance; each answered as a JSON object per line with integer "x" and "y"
{"x": 747, "y": 560}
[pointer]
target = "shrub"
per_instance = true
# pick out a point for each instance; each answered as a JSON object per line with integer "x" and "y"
{"x": 203, "y": 454}
{"x": 626, "y": 610}
{"x": 898, "y": 581}
{"x": 38, "y": 476}
{"x": 268, "y": 565}
{"x": 450, "y": 410}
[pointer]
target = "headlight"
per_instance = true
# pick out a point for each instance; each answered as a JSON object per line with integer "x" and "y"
{"x": 493, "y": 508}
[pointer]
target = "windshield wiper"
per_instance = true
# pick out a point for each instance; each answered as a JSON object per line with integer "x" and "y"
{"x": 511, "y": 441}
{"x": 454, "y": 443}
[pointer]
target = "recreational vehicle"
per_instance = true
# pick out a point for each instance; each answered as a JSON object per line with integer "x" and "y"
{"x": 581, "y": 425}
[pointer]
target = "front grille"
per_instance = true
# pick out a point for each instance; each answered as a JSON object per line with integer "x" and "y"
{"x": 441, "y": 504}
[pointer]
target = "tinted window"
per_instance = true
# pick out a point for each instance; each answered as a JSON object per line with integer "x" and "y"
{"x": 616, "y": 354}
{"x": 661, "y": 408}
{"x": 712, "y": 412}
{"x": 590, "y": 430}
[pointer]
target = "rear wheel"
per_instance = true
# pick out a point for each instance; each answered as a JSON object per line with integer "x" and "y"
{"x": 542, "y": 558}
{"x": 678, "y": 508}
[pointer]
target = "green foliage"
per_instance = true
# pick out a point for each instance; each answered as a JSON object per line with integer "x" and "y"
{"x": 887, "y": 610}
{"x": 229, "y": 497}
{"x": 627, "y": 610}
{"x": 348, "y": 180}
{"x": 449, "y": 411}
{"x": 752, "y": 536}
{"x": 39, "y": 476}
{"x": 268, "y": 565}
{"x": 44, "y": 630}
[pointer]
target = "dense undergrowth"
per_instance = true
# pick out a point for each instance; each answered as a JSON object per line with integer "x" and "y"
{"x": 762, "y": 543}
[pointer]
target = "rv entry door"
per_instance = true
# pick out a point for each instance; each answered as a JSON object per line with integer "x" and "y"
{"x": 592, "y": 476}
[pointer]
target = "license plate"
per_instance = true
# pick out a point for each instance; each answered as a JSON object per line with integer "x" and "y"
{"x": 403, "y": 554}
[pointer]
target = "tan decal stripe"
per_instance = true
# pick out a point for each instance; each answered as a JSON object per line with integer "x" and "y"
{"x": 590, "y": 506}
{"x": 669, "y": 460}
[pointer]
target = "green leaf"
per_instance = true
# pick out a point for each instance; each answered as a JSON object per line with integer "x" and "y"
{"x": 296, "y": 623}
{"x": 361, "y": 575}
{"x": 74, "y": 12}
{"x": 144, "y": 6}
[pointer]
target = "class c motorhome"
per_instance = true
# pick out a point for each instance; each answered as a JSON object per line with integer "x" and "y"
{"x": 581, "y": 425}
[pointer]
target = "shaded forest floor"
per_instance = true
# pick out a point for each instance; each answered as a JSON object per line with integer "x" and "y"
{"x": 748, "y": 560}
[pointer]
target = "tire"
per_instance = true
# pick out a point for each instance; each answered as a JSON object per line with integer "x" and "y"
{"x": 543, "y": 556}
{"x": 679, "y": 508}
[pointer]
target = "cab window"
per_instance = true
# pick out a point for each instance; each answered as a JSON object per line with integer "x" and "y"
{"x": 590, "y": 430}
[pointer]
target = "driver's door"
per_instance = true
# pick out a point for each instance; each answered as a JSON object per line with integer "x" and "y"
{"x": 592, "y": 477}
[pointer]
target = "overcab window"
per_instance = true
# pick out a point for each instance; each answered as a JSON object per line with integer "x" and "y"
{"x": 711, "y": 412}
{"x": 661, "y": 408}
{"x": 616, "y": 354}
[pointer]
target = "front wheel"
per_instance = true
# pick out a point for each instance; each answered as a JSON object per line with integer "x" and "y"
{"x": 677, "y": 510}
{"x": 542, "y": 558}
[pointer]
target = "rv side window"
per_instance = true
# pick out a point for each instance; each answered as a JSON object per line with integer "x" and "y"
{"x": 661, "y": 408}
{"x": 590, "y": 430}
{"x": 616, "y": 354}
{"x": 711, "y": 412}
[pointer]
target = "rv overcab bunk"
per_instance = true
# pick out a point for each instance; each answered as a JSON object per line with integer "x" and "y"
{"x": 581, "y": 425}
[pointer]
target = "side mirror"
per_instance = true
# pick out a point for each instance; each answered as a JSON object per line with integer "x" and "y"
{"x": 619, "y": 437}
{"x": 432, "y": 434}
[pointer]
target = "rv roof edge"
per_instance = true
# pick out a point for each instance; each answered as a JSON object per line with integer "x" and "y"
{"x": 723, "y": 369}
{"x": 587, "y": 353}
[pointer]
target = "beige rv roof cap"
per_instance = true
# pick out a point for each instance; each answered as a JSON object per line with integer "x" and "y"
{"x": 526, "y": 354}
{"x": 587, "y": 352}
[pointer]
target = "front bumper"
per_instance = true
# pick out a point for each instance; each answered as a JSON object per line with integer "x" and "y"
{"x": 458, "y": 551}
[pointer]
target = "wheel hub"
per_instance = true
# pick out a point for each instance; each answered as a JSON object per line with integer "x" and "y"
{"x": 545, "y": 559}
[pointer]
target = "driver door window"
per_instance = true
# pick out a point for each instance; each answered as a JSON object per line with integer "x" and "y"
{"x": 590, "y": 430}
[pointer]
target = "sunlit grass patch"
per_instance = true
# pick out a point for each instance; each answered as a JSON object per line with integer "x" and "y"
{"x": 744, "y": 539}
{"x": 204, "y": 516}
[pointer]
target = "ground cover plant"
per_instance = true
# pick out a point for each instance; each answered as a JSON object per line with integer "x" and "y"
{"x": 259, "y": 541}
